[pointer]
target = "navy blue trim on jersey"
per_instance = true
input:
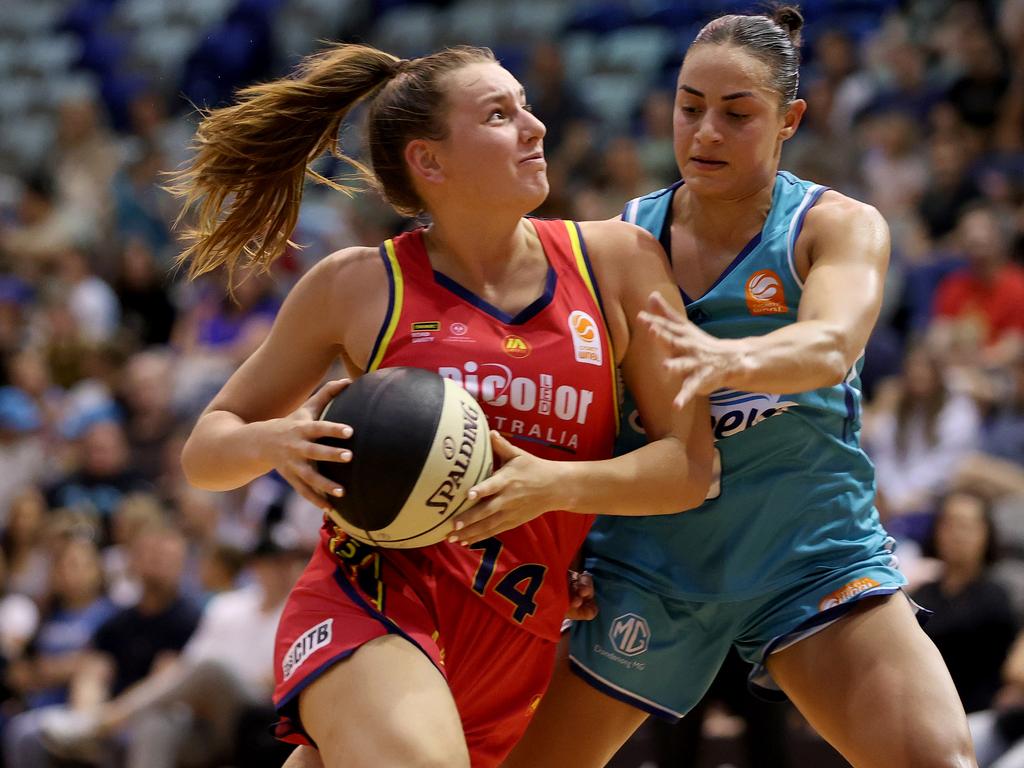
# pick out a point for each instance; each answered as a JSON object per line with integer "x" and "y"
{"x": 649, "y": 707}
{"x": 849, "y": 409}
{"x": 285, "y": 703}
{"x": 523, "y": 316}
{"x": 391, "y": 306}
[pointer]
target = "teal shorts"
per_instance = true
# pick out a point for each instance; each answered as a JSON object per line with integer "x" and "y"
{"x": 660, "y": 654}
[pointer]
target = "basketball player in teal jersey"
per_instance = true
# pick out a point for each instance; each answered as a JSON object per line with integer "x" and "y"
{"x": 434, "y": 656}
{"x": 782, "y": 280}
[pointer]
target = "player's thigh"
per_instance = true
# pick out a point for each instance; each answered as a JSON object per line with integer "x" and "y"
{"x": 385, "y": 705}
{"x": 575, "y": 725}
{"x": 875, "y": 687}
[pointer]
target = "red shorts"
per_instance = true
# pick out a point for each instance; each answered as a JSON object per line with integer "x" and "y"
{"x": 497, "y": 671}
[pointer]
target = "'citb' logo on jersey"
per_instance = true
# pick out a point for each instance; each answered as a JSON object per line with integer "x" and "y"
{"x": 516, "y": 346}
{"x": 764, "y": 293}
{"x": 630, "y": 634}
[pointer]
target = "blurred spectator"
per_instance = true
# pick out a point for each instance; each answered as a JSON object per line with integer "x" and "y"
{"x": 973, "y": 623}
{"x": 998, "y": 466}
{"x": 135, "y": 514}
{"x": 146, "y": 396}
{"x": 998, "y": 733}
{"x": 86, "y": 161}
{"x": 24, "y": 544}
{"x": 19, "y": 618}
{"x": 980, "y": 305}
{"x": 918, "y": 433}
{"x": 553, "y": 96}
{"x": 22, "y": 448}
{"x": 104, "y": 475}
{"x": 144, "y": 210}
{"x": 978, "y": 91}
{"x": 42, "y": 228}
{"x": 950, "y": 189}
{"x": 92, "y": 301}
{"x": 654, "y": 141}
{"x": 130, "y": 645}
{"x": 143, "y": 292}
{"x": 74, "y": 609}
{"x": 225, "y": 667}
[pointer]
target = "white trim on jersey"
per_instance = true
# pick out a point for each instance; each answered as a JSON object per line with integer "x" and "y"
{"x": 620, "y": 690}
{"x": 810, "y": 196}
{"x": 632, "y": 209}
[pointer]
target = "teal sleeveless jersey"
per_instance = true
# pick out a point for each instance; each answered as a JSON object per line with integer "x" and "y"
{"x": 796, "y": 489}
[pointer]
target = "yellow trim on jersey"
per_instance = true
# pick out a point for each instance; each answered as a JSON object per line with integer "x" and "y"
{"x": 589, "y": 280}
{"x": 395, "y": 306}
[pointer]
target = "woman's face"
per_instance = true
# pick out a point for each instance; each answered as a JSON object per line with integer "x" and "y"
{"x": 494, "y": 148}
{"x": 961, "y": 532}
{"x": 727, "y": 122}
{"x": 76, "y": 570}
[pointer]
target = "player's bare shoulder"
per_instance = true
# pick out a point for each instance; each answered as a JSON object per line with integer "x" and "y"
{"x": 617, "y": 248}
{"x": 837, "y": 223}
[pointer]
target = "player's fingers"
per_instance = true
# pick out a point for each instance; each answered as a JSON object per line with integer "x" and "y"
{"x": 657, "y": 305}
{"x": 486, "y": 488}
{"x": 318, "y": 452}
{"x": 585, "y": 586}
{"x": 323, "y": 396}
{"x": 314, "y": 430}
{"x": 503, "y": 449}
{"x": 316, "y": 481}
{"x": 305, "y": 491}
{"x": 474, "y": 515}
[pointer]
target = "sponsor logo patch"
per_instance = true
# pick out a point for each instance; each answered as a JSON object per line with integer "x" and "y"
{"x": 846, "y": 593}
{"x": 630, "y": 634}
{"x": 516, "y": 346}
{"x": 433, "y": 325}
{"x": 308, "y": 643}
{"x": 586, "y": 338}
{"x": 765, "y": 295}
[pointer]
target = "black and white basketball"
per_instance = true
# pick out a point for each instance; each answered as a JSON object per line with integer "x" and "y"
{"x": 419, "y": 443}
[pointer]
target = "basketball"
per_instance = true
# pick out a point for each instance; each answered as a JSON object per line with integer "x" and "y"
{"x": 419, "y": 443}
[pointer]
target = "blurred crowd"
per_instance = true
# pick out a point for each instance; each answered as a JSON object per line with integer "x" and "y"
{"x": 123, "y": 590}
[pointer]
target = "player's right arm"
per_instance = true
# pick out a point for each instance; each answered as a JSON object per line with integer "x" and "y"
{"x": 264, "y": 417}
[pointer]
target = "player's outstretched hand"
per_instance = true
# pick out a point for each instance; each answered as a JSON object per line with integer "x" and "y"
{"x": 523, "y": 488}
{"x": 700, "y": 360}
{"x": 289, "y": 444}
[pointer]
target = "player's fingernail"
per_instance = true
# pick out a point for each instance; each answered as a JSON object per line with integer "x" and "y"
{"x": 338, "y": 492}
{"x": 472, "y": 495}
{"x": 459, "y": 525}
{"x": 346, "y": 455}
{"x": 453, "y": 539}
{"x": 346, "y": 431}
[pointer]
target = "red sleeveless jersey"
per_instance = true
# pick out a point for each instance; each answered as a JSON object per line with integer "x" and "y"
{"x": 546, "y": 379}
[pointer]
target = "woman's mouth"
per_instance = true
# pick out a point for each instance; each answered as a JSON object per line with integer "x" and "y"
{"x": 707, "y": 163}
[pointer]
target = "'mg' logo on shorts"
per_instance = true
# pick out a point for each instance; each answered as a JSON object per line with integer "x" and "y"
{"x": 630, "y": 634}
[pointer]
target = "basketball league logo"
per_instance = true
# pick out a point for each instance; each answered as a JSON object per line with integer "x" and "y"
{"x": 516, "y": 346}
{"x": 630, "y": 634}
{"x": 586, "y": 338}
{"x": 765, "y": 295}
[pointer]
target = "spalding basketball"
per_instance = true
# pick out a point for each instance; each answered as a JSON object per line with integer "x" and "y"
{"x": 419, "y": 443}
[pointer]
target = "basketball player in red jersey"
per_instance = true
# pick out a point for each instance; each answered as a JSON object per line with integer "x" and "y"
{"x": 436, "y": 656}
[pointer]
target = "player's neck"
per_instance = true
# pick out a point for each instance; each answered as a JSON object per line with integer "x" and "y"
{"x": 720, "y": 220}
{"x": 480, "y": 251}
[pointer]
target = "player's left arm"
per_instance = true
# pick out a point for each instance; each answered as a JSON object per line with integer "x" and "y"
{"x": 669, "y": 474}
{"x": 846, "y": 244}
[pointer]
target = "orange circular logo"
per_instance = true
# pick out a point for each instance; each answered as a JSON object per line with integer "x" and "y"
{"x": 584, "y": 327}
{"x": 516, "y": 346}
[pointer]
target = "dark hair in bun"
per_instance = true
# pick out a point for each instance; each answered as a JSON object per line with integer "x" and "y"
{"x": 773, "y": 39}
